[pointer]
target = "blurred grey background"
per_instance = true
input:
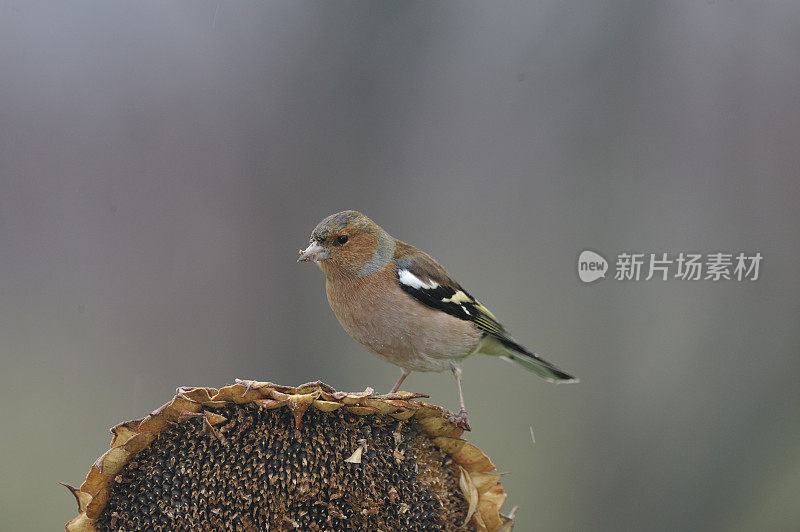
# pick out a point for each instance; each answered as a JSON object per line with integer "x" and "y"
{"x": 162, "y": 162}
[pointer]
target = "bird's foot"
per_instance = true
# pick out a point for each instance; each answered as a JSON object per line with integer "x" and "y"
{"x": 460, "y": 419}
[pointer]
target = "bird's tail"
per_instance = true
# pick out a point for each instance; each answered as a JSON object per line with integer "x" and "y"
{"x": 506, "y": 348}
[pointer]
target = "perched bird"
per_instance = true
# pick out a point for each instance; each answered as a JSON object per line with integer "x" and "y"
{"x": 402, "y": 305}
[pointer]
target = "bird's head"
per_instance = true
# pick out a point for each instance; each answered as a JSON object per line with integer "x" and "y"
{"x": 348, "y": 243}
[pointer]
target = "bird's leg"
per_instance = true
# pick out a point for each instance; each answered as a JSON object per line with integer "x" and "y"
{"x": 459, "y": 419}
{"x": 400, "y": 381}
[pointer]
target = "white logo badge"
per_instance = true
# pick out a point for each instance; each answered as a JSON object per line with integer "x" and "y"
{"x": 591, "y": 266}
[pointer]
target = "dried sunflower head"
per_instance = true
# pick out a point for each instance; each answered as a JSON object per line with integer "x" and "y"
{"x": 254, "y": 456}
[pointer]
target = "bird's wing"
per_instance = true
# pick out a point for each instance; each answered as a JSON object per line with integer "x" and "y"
{"x": 420, "y": 276}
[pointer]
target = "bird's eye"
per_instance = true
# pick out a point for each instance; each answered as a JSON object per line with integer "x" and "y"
{"x": 342, "y": 239}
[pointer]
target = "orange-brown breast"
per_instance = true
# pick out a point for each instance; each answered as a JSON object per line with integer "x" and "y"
{"x": 396, "y": 326}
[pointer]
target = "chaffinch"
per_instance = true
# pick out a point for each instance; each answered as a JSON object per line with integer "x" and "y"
{"x": 402, "y": 305}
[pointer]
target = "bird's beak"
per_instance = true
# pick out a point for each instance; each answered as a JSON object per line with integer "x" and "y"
{"x": 314, "y": 252}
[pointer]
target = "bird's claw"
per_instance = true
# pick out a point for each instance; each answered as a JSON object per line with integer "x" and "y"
{"x": 460, "y": 419}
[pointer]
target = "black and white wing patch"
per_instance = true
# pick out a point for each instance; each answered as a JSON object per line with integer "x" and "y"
{"x": 425, "y": 280}
{"x": 442, "y": 293}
